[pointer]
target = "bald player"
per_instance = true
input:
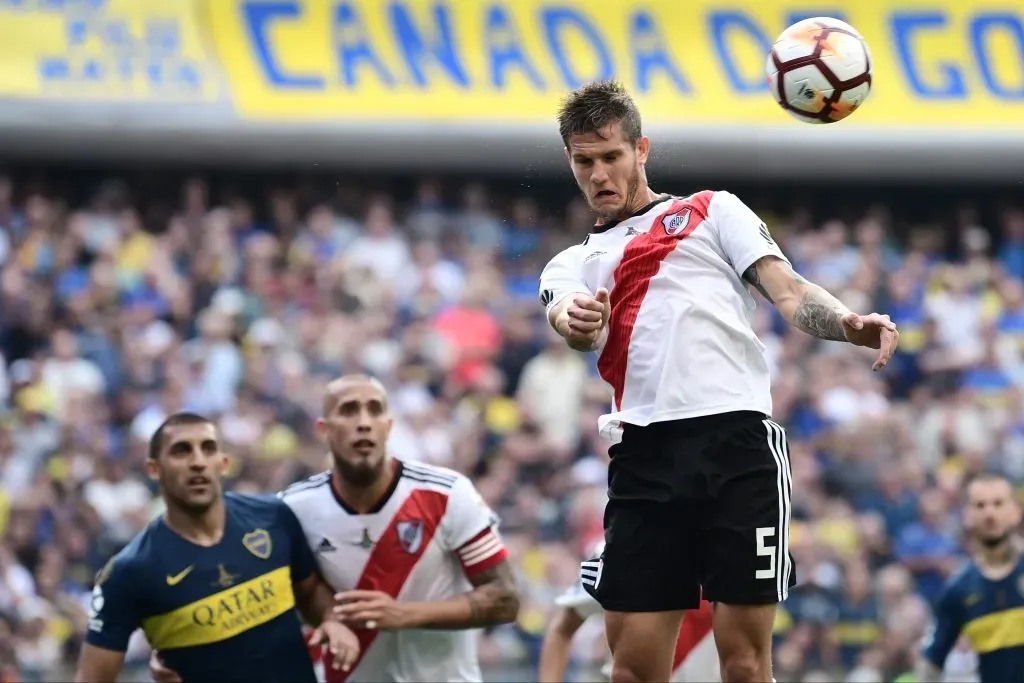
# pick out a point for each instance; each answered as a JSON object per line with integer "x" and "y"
{"x": 412, "y": 550}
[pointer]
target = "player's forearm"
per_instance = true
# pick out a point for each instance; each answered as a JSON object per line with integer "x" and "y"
{"x": 557, "y": 645}
{"x": 98, "y": 665}
{"x": 816, "y": 312}
{"x": 315, "y": 600}
{"x": 494, "y": 600}
{"x": 802, "y": 303}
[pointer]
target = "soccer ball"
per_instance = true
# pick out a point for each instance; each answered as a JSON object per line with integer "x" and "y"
{"x": 819, "y": 70}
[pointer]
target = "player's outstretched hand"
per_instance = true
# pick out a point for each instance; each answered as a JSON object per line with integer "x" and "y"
{"x": 370, "y": 610}
{"x": 342, "y": 643}
{"x": 874, "y": 331}
{"x": 588, "y": 316}
{"x": 159, "y": 672}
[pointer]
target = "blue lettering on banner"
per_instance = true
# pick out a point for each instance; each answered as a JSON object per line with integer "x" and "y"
{"x": 104, "y": 49}
{"x": 556, "y": 20}
{"x": 981, "y": 28}
{"x": 415, "y": 48}
{"x": 353, "y": 47}
{"x": 52, "y": 5}
{"x": 505, "y": 49}
{"x": 904, "y": 26}
{"x": 725, "y": 22}
{"x": 259, "y": 17}
{"x": 651, "y": 53}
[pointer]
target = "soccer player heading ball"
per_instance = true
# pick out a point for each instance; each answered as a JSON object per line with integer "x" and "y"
{"x": 661, "y": 290}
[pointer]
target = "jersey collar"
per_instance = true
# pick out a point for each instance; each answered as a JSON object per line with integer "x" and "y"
{"x": 604, "y": 227}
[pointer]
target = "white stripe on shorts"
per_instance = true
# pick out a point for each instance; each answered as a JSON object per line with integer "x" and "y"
{"x": 590, "y": 572}
{"x": 784, "y": 480}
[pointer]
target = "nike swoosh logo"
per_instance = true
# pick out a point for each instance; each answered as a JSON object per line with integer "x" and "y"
{"x": 176, "y": 579}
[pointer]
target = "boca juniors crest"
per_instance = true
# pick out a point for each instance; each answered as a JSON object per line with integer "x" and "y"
{"x": 410, "y": 535}
{"x": 258, "y": 543}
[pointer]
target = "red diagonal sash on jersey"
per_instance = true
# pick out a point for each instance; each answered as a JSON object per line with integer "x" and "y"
{"x": 640, "y": 262}
{"x": 392, "y": 560}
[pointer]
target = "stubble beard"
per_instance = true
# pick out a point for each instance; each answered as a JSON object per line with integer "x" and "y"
{"x": 630, "y": 205}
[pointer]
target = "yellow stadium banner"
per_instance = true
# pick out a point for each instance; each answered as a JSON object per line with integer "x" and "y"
{"x": 950, "y": 63}
{"x": 106, "y": 50}
{"x": 953, "y": 63}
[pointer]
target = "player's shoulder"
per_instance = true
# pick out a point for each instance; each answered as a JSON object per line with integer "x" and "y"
{"x": 255, "y": 508}
{"x": 567, "y": 258}
{"x": 134, "y": 560}
{"x": 308, "y": 489}
{"x": 710, "y": 202}
{"x": 964, "y": 577}
{"x": 442, "y": 479}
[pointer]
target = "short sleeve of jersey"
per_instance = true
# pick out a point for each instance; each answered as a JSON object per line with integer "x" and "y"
{"x": 742, "y": 235}
{"x": 470, "y": 529}
{"x": 114, "y": 611}
{"x": 945, "y": 629}
{"x": 580, "y": 601}
{"x": 561, "y": 277}
{"x": 302, "y": 561}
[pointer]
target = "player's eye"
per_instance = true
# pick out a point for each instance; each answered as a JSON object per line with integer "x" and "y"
{"x": 209, "y": 447}
{"x": 583, "y": 161}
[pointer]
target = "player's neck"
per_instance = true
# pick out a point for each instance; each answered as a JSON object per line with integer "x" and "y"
{"x": 364, "y": 498}
{"x": 1000, "y": 560}
{"x": 644, "y": 196}
{"x": 205, "y": 528}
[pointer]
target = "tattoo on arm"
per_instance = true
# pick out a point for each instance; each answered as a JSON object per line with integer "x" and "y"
{"x": 494, "y": 598}
{"x": 819, "y": 314}
{"x": 754, "y": 279}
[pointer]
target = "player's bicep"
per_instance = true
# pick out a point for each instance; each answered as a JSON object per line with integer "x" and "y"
{"x": 560, "y": 279}
{"x": 470, "y": 529}
{"x": 741, "y": 234}
{"x": 303, "y": 562}
{"x": 97, "y": 664}
{"x": 776, "y": 280}
{"x": 114, "y": 609}
{"x": 944, "y": 632}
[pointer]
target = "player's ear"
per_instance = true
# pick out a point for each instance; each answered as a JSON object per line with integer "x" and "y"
{"x": 321, "y": 427}
{"x": 643, "y": 149}
{"x": 152, "y": 469}
{"x": 224, "y": 466}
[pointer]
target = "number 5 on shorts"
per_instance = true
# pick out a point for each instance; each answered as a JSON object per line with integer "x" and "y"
{"x": 764, "y": 550}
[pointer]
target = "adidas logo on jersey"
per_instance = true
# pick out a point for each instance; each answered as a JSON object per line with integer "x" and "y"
{"x": 325, "y": 546}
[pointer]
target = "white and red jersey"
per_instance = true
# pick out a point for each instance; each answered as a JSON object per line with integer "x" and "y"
{"x": 680, "y": 340}
{"x": 430, "y": 532}
{"x": 695, "y": 658}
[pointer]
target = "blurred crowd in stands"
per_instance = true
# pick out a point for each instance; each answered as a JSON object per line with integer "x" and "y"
{"x": 122, "y": 301}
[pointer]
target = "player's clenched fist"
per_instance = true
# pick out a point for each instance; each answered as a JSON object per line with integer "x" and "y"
{"x": 585, "y": 320}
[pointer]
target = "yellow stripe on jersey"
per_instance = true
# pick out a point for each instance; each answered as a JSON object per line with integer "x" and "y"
{"x": 856, "y": 632}
{"x": 223, "y": 615}
{"x": 996, "y": 631}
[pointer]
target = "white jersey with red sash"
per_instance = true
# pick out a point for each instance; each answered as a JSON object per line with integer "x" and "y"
{"x": 421, "y": 542}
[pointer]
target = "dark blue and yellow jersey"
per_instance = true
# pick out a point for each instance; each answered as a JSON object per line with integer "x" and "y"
{"x": 990, "y": 614}
{"x": 857, "y": 628}
{"x": 224, "y": 612}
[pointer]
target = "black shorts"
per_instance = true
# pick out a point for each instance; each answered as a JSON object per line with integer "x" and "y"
{"x": 697, "y": 507}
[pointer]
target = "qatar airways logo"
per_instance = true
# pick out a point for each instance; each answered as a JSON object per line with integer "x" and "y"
{"x": 676, "y": 222}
